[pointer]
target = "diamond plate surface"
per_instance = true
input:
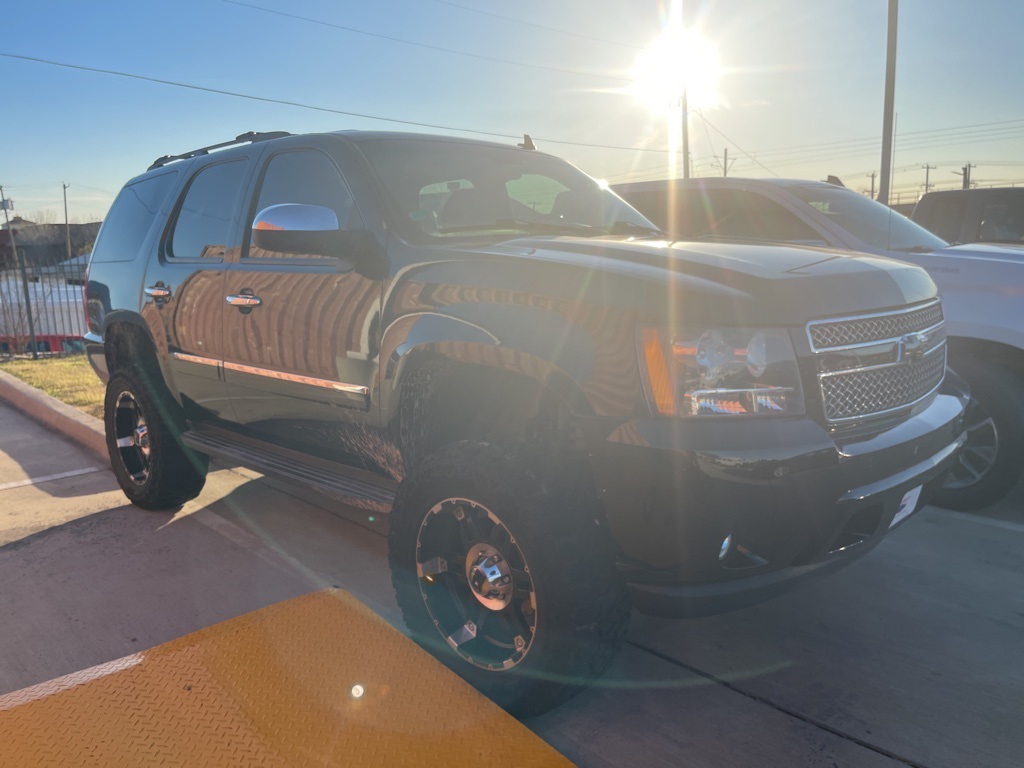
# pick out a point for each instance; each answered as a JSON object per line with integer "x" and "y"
{"x": 270, "y": 688}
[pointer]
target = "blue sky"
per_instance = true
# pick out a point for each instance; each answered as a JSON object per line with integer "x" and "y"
{"x": 800, "y": 94}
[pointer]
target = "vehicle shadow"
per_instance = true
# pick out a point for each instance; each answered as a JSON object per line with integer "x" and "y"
{"x": 53, "y": 464}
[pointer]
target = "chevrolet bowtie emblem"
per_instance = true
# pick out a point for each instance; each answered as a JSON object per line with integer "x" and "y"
{"x": 911, "y": 346}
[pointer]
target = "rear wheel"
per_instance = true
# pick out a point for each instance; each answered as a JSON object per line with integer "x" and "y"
{"x": 990, "y": 464}
{"x": 508, "y": 580}
{"x": 143, "y": 429}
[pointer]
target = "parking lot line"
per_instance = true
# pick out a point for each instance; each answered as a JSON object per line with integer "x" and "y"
{"x": 48, "y": 478}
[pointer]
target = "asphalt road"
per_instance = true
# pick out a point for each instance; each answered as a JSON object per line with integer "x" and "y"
{"x": 911, "y": 656}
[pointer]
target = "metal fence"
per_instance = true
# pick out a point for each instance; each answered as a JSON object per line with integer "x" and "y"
{"x": 42, "y": 306}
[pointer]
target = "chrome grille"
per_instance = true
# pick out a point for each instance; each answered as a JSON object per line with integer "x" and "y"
{"x": 830, "y": 334}
{"x": 851, "y": 394}
{"x": 875, "y": 364}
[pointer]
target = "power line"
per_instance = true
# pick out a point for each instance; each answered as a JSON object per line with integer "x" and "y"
{"x": 743, "y": 151}
{"x": 428, "y": 46}
{"x": 908, "y": 135}
{"x": 329, "y": 110}
{"x": 983, "y": 128}
{"x": 540, "y": 26}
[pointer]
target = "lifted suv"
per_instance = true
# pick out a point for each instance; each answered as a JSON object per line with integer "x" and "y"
{"x": 563, "y": 413}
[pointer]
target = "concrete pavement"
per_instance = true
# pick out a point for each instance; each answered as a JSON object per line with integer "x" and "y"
{"x": 909, "y": 657}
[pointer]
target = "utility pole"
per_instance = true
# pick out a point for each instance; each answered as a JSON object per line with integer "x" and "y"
{"x": 67, "y": 225}
{"x": 967, "y": 176}
{"x": 927, "y": 168}
{"x": 24, "y": 276}
{"x": 872, "y": 175}
{"x": 686, "y": 136}
{"x": 887, "y": 110}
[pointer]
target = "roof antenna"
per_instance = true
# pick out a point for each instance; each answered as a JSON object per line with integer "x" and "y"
{"x": 527, "y": 142}
{"x": 834, "y": 180}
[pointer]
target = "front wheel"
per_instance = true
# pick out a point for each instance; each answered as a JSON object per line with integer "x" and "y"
{"x": 990, "y": 464}
{"x": 508, "y": 581}
{"x": 143, "y": 429}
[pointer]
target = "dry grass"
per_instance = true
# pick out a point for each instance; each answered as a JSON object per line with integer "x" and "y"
{"x": 69, "y": 379}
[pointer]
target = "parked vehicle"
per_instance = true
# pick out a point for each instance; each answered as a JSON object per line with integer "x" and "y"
{"x": 72, "y": 271}
{"x": 993, "y": 215}
{"x": 563, "y": 414}
{"x": 981, "y": 288}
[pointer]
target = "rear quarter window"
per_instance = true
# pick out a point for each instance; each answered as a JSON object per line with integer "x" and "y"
{"x": 945, "y": 216}
{"x": 131, "y": 217}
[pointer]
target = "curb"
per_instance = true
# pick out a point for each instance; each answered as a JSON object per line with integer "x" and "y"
{"x": 83, "y": 429}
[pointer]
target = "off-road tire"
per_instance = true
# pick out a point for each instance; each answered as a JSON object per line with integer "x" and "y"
{"x": 170, "y": 474}
{"x": 995, "y": 437}
{"x": 582, "y": 607}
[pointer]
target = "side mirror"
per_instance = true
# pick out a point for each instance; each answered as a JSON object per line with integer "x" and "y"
{"x": 295, "y": 228}
{"x": 313, "y": 230}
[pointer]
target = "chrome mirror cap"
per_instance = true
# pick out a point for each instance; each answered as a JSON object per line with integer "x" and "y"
{"x": 295, "y": 217}
{"x": 293, "y": 229}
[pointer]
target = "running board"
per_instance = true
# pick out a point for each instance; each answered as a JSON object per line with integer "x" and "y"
{"x": 315, "y": 473}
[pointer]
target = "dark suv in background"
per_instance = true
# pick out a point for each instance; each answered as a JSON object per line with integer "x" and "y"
{"x": 993, "y": 215}
{"x": 562, "y": 413}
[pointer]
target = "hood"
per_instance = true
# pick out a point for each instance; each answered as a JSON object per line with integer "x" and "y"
{"x": 994, "y": 251}
{"x": 762, "y": 283}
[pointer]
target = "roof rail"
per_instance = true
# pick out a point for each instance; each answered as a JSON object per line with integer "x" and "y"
{"x": 251, "y": 136}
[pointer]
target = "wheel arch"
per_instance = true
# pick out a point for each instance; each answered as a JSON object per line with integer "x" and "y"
{"x": 985, "y": 349}
{"x": 127, "y": 340}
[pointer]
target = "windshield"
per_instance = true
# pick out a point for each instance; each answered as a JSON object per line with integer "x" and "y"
{"x": 869, "y": 221}
{"x": 444, "y": 189}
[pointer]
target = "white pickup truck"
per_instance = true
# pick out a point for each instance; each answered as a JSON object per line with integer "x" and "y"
{"x": 982, "y": 287}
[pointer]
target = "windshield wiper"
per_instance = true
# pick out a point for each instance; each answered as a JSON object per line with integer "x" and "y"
{"x": 914, "y": 249}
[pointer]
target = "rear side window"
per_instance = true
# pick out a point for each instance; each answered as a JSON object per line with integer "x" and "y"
{"x": 131, "y": 217}
{"x": 944, "y": 218}
{"x": 203, "y": 228}
{"x": 1002, "y": 220}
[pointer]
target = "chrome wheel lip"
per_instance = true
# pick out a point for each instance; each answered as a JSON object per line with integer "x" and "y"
{"x": 131, "y": 437}
{"x": 481, "y": 631}
{"x": 980, "y": 452}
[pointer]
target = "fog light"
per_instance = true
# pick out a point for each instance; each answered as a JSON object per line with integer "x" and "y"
{"x": 726, "y": 546}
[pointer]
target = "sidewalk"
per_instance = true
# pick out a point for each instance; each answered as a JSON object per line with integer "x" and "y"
{"x": 85, "y": 430}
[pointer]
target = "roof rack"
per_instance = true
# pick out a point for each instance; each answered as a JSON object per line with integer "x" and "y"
{"x": 251, "y": 136}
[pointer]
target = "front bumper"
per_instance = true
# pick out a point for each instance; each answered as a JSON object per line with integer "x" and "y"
{"x": 792, "y": 500}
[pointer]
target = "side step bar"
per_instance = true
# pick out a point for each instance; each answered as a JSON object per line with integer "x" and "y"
{"x": 293, "y": 466}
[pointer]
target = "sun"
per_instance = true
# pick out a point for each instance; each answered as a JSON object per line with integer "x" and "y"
{"x": 678, "y": 60}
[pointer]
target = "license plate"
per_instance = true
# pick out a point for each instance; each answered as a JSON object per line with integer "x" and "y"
{"x": 907, "y": 505}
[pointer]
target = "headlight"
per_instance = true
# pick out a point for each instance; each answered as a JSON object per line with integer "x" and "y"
{"x": 731, "y": 371}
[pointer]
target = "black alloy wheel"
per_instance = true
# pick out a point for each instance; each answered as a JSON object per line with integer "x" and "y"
{"x": 143, "y": 430}
{"x": 131, "y": 436}
{"x": 475, "y": 584}
{"x": 506, "y": 575}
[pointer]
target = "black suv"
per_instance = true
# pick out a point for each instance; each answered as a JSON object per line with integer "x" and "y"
{"x": 563, "y": 413}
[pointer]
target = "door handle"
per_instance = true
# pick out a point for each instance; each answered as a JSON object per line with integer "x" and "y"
{"x": 158, "y": 291}
{"x": 244, "y": 300}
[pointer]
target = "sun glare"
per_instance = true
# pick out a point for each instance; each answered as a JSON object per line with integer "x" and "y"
{"x": 678, "y": 59}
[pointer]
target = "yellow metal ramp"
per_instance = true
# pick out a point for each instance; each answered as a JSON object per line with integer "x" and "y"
{"x": 319, "y": 680}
